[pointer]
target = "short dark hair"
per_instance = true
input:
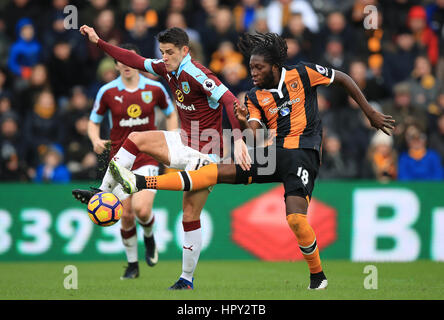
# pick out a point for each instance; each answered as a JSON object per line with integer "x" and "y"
{"x": 177, "y": 36}
{"x": 131, "y": 47}
{"x": 269, "y": 45}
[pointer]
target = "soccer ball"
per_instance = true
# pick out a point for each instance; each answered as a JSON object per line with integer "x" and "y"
{"x": 105, "y": 209}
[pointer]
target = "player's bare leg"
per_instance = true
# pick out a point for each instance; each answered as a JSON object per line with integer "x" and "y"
{"x": 129, "y": 239}
{"x": 142, "y": 205}
{"x": 296, "y": 211}
{"x": 153, "y": 143}
{"x": 138, "y": 206}
{"x": 193, "y": 203}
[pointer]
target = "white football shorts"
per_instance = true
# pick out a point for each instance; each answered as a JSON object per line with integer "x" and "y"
{"x": 183, "y": 157}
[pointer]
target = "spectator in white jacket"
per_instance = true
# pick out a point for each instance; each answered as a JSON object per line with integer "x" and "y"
{"x": 279, "y": 12}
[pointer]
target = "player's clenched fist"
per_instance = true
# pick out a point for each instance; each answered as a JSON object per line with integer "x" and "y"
{"x": 240, "y": 111}
{"x": 90, "y": 32}
{"x": 99, "y": 145}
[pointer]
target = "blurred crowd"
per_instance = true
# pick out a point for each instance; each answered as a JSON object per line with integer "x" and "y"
{"x": 50, "y": 74}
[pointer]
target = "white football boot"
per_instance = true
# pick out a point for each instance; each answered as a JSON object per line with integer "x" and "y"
{"x": 123, "y": 176}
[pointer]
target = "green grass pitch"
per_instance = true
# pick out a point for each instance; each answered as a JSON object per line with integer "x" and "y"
{"x": 222, "y": 280}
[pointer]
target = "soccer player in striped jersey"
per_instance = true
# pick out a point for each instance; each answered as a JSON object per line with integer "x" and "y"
{"x": 128, "y": 102}
{"x": 283, "y": 100}
{"x": 199, "y": 98}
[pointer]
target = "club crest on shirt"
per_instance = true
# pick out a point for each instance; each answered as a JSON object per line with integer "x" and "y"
{"x": 134, "y": 110}
{"x": 294, "y": 86}
{"x": 147, "y": 96}
{"x": 186, "y": 87}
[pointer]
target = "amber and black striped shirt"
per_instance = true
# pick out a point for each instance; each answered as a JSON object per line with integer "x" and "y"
{"x": 291, "y": 110}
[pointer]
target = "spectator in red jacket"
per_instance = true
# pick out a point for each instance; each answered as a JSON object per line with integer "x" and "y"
{"x": 425, "y": 37}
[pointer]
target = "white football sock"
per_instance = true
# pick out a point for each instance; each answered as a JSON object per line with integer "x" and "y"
{"x": 129, "y": 239}
{"x": 192, "y": 243}
{"x": 108, "y": 182}
{"x": 119, "y": 193}
{"x": 147, "y": 226}
{"x": 123, "y": 157}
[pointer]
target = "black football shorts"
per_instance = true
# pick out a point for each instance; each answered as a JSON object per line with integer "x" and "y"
{"x": 297, "y": 169}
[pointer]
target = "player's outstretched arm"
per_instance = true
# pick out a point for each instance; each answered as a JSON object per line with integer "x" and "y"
{"x": 90, "y": 32}
{"x": 241, "y": 155}
{"x": 378, "y": 120}
{"x": 127, "y": 57}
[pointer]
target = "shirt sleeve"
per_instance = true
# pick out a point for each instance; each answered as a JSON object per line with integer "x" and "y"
{"x": 254, "y": 114}
{"x": 319, "y": 75}
{"x": 227, "y": 101}
{"x": 212, "y": 87}
{"x": 165, "y": 103}
{"x": 100, "y": 107}
{"x": 127, "y": 57}
{"x": 155, "y": 67}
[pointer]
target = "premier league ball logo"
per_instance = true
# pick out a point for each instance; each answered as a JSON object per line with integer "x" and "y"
{"x": 209, "y": 84}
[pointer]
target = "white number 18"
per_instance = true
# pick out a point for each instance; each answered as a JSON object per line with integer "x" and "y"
{"x": 303, "y": 174}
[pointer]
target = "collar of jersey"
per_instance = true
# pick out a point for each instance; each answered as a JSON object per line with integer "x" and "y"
{"x": 182, "y": 65}
{"x": 121, "y": 86}
{"x": 281, "y": 82}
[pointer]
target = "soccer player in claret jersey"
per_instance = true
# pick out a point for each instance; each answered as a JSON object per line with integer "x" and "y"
{"x": 130, "y": 99}
{"x": 199, "y": 96}
{"x": 284, "y": 100}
